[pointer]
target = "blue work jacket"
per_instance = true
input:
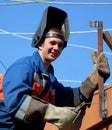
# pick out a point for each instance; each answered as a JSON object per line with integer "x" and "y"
{"x": 17, "y": 86}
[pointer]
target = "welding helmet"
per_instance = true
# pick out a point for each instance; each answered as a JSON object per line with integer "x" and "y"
{"x": 52, "y": 17}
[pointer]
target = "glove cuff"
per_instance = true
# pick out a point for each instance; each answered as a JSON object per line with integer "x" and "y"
{"x": 89, "y": 85}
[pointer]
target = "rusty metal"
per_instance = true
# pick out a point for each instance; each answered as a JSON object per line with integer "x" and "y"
{"x": 108, "y": 39}
{"x": 102, "y": 109}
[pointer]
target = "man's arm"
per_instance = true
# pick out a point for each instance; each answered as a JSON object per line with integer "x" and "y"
{"x": 101, "y": 67}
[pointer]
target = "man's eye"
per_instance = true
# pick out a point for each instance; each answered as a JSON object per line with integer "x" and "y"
{"x": 60, "y": 45}
{"x": 53, "y": 43}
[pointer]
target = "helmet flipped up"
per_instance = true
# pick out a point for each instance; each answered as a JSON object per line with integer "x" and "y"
{"x": 52, "y": 17}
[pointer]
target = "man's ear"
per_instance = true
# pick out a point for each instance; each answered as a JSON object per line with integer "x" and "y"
{"x": 40, "y": 46}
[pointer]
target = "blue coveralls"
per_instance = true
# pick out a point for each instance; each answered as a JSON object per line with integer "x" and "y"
{"x": 18, "y": 85}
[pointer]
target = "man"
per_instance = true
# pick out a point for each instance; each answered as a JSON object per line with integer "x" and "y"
{"x": 32, "y": 94}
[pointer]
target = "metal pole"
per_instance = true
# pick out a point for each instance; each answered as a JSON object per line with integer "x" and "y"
{"x": 102, "y": 109}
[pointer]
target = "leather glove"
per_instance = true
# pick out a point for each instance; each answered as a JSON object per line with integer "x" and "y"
{"x": 35, "y": 109}
{"x": 40, "y": 110}
{"x": 101, "y": 63}
{"x": 62, "y": 117}
{"x": 102, "y": 68}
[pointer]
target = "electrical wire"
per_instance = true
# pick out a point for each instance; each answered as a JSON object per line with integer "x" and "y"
{"x": 5, "y": 68}
{"x": 14, "y": 34}
{"x": 31, "y": 33}
{"x": 92, "y": 31}
{"x": 20, "y": 35}
{"x": 89, "y": 48}
{"x": 72, "y": 45}
{"x": 18, "y": 2}
{"x": 75, "y": 81}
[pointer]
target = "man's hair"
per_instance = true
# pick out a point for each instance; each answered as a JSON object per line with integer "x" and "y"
{"x": 56, "y": 30}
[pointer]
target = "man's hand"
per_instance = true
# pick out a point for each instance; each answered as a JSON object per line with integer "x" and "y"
{"x": 101, "y": 67}
{"x": 62, "y": 117}
{"x": 101, "y": 63}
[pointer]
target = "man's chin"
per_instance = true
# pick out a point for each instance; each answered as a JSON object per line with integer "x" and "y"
{"x": 52, "y": 59}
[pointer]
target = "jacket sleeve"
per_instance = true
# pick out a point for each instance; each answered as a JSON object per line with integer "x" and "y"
{"x": 78, "y": 98}
{"x": 67, "y": 96}
{"x": 32, "y": 110}
{"x": 17, "y": 88}
{"x": 17, "y": 85}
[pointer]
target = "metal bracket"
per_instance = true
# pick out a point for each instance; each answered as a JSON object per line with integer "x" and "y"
{"x": 104, "y": 107}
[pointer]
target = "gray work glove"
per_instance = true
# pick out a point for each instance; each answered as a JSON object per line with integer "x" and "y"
{"x": 62, "y": 117}
{"x": 101, "y": 67}
{"x": 40, "y": 110}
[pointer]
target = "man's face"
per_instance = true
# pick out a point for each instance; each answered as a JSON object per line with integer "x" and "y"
{"x": 51, "y": 49}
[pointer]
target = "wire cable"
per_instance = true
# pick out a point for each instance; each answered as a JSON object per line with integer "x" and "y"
{"x": 72, "y": 45}
{"x": 5, "y": 68}
{"x": 18, "y": 2}
{"x": 31, "y": 33}
{"x": 14, "y": 34}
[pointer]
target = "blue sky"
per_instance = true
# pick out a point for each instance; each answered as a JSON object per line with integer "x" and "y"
{"x": 19, "y": 22}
